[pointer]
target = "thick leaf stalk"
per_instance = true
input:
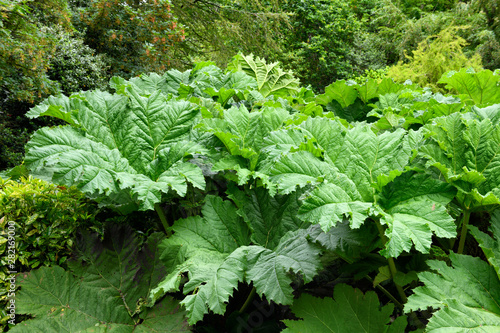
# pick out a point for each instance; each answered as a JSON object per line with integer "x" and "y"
{"x": 463, "y": 234}
{"x": 163, "y": 219}
{"x": 392, "y": 264}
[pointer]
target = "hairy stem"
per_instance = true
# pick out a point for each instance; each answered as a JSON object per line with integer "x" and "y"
{"x": 392, "y": 268}
{"x": 386, "y": 293}
{"x": 248, "y": 300}
{"x": 392, "y": 264}
{"x": 463, "y": 234}
{"x": 163, "y": 218}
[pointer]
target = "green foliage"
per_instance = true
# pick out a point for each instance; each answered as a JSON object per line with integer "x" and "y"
{"x": 376, "y": 74}
{"x": 217, "y": 30}
{"x": 271, "y": 79}
{"x": 26, "y": 50}
{"x": 434, "y": 56}
{"x": 328, "y": 315}
{"x": 130, "y": 151}
{"x": 39, "y": 209}
{"x": 75, "y": 66}
{"x": 137, "y": 36}
{"x": 466, "y": 295}
{"x": 369, "y": 179}
{"x": 357, "y": 179}
{"x": 11, "y": 144}
{"x": 464, "y": 149}
{"x": 100, "y": 291}
{"x": 100, "y": 153}
{"x": 317, "y": 46}
{"x": 46, "y": 218}
{"x": 222, "y": 249}
{"x": 480, "y": 88}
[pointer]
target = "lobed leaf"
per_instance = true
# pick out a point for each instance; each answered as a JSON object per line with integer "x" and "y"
{"x": 348, "y": 311}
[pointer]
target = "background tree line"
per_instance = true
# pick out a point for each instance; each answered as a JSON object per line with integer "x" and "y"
{"x": 63, "y": 46}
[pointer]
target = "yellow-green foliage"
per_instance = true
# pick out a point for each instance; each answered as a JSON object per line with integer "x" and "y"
{"x": 45, "y": 218}
{"x": 376, "y": 74}
{"x": 433, "y": 57}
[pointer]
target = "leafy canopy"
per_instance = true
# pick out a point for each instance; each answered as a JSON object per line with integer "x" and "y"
{"x": 359, "y": 174}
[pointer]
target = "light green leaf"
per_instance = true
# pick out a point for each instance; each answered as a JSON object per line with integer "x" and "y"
{"x": 329, "y": 203}
{"x": 481, "y": 87}
{"x": 271, "y": 79}
{"x": 466, "y": 293}
{"x": 339, "y": 91}
{"x": 269, "y": 270}
{"x": 56, "y": 106}
{"x": 298, "y": 169}
{"x": 466, "y": 151}
{"x": 414, "y": 206}
{"x": 126, "y": 145}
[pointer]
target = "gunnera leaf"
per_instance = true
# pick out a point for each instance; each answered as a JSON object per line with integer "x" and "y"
{"x": 349, "y": 311}
{"x": 271, "y": 78}
{"x": 104, "y": 290}
{"x": 465, "y": 149}
{"x": 357, "y": 175}
{"x": 480, "y": 87}
{"x": 466, "y": 295}
{"x": 216, "y": 252}
{"x": 129, "y": 146}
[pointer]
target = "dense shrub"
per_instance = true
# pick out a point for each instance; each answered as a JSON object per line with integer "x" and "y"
{"x": 137, "y": 36}
{"x": 46, "y": 218}
{"x": 433, "y": 57}
{"x": 318, "y": 44}
{"x": 75, "y": 65}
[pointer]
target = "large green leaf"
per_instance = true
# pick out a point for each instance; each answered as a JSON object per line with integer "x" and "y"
{"x": 414, "y": 209}
{"x": 106, "y": 288}
{"x": 199, "y": 245}
{"x": 121, "y": 145}
{"x": 329, "y": 203}
{"x": 271, "y": 78}
{"x": 481, "y": 87}
{"x": 490, "y": 246}
{"x": 339, "y": 91}
{"x": 268, "y": 270}
{"x": 216, "y": 253}
{"x": 466, "y": 150}
{"x": 348, "y": 311}
{"x": 467, "y": 295}
{"x": 269, "y": 218}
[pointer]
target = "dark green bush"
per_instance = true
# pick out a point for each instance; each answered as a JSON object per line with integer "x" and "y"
{"x": 320, "y": 40}
{"x": 75, "y": 65}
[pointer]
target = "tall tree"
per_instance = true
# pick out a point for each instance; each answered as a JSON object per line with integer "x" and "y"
{"x": 136, "y": 35}
{"x": 26, "y": 48}
{"x": 218, "y": 29}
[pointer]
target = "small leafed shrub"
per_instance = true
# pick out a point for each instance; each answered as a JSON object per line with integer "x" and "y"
{"x": 433, "y": 57}
{"x": 45, "y": 218}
